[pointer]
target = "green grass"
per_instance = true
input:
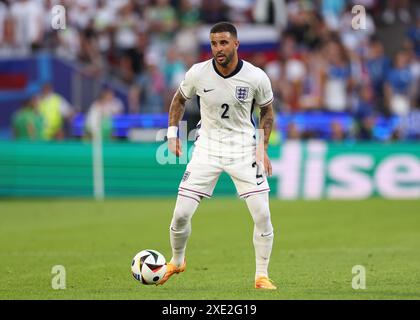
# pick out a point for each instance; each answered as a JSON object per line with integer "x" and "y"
{"x": 316, "y": 245}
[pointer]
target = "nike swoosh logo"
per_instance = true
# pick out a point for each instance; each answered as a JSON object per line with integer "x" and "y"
{"x": 266, "y": 235}
{"x": 260, "y": 183}
{"x": 205, "y": 91}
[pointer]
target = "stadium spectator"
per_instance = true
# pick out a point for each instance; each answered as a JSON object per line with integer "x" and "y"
{"x": 3, "y": 13}
{"x": 126, "y": 28}
{"x": 310, "y": 90}
{"x": 3, "y": 16}
{"x": 291, "y": 71}
{"x": 132, "y": 63}
{"x": 104, "y": 18}
{"x": 101, "y": 112}
{"x": 90, "y": 54}
{"x": 174, "y": 70}
{"x": 336, "y": 77}
{"x": 81, "y": 12}
{"x": 409, "y": 126}
{"x": 28, "y": 26}
{"x": 303, "y": 23}
{"x": 331, "y": 11}
{"x": 49, "y": 40}
{"x": 414, "y": 66}
{"x": 413, "y": 33}
{"x": 378, "y": 66}
{"x": 149, "y": 90}
{"x": 399, "y": 86}
{"x": 271, "y": 12}
{"x": 185, "y": 39}
{"x": 68, "y": 42}
{"x": 401, "y": 7}
{"x": 240, "y": 11}
{"x": 213, "y": 11}
{"x": 27, "y": 123}
{"x": 273, "y": 70}
{"x": 188, "y": 14}
{"x": 162, "y": 21}
{"x": 56, "y": 113}
{"x": 364, "y": 113}
{"x": 8, "y": 45}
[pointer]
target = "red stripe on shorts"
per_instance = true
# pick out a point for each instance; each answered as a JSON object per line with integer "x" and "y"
{"x": 253, "y": 192}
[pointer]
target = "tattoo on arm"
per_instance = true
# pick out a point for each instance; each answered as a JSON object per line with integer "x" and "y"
{"x": 266, "y": 122}
{"x": 177, "y": 109}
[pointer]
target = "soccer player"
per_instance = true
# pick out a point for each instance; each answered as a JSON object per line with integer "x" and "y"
{"x": 227, "y": 89}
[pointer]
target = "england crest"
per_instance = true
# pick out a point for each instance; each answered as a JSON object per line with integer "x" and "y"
{"x": 186, "y": 176}
{"x": 242, "y": 93}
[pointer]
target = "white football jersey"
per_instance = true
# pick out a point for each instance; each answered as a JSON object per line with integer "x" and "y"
{"x": 226, "y": 105}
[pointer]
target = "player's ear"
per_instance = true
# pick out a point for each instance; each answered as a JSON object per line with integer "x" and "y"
{"x": 237, "y": 44}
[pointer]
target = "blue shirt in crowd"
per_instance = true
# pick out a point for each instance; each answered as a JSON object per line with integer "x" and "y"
{"x": 378, "y": 70}
{"x": 400, "y": 80}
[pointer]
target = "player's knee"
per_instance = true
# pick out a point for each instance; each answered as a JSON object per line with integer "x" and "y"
{"x": 181, "y": 216}
{"x": 261, "y": 215}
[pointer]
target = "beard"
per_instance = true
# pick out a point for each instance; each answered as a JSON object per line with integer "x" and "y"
{"x": 228, "y": 59}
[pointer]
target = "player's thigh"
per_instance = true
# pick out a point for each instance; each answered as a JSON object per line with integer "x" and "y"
{"x": 201, "y": 175}
{"x": 249, "y": 178}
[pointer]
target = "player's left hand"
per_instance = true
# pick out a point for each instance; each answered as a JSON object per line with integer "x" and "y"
{"x": 175, "y": 146}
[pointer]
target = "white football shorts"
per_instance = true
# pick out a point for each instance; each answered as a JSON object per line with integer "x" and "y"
{"x": 203, "y": 171}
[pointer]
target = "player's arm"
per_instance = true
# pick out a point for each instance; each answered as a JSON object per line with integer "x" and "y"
{"x": 176, "y": 112}
{"x": 266, "y": 125}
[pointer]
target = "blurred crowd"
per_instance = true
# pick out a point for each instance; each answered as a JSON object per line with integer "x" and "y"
{"x": 48, "y": 116}
{"x": 322, "y": 62}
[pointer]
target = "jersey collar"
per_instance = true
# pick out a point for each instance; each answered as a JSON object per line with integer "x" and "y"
{"x": 234, "y": 72}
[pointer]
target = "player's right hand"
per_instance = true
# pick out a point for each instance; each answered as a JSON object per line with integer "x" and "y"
{"x": 175, "y": 146}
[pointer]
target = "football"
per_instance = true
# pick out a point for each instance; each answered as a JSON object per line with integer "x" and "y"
{"x": 148, "y": 266}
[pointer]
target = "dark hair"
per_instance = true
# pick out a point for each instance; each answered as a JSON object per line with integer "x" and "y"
{"x": 224, "y": 27}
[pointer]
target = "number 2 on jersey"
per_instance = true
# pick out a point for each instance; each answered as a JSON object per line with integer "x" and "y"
{"x": 225, "y": 113}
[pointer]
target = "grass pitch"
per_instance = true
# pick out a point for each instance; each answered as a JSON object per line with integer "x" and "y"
{"x": 316, "y": 246}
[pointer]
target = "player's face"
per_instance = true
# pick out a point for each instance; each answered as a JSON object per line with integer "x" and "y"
{"x": 224, "y": 47}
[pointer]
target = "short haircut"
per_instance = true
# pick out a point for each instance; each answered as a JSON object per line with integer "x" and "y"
{"x": 224, "y": 27}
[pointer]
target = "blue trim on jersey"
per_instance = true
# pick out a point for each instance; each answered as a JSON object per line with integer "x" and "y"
{"x": 234, "y": 72}
{"x": 198, "y": 102}
{"x": 198, "y": 126}
{"x": 252, "y": 111}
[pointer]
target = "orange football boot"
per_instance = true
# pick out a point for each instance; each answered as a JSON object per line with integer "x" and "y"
{"x": 172, "y": 269}
{"x": 264, "y": 283}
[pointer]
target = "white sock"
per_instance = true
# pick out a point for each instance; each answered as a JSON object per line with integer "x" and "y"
{"x": 263, "y": 232}
{"x": 180, "y": 228}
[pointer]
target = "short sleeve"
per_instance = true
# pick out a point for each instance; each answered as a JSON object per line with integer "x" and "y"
{"x": 264, "y": 93}
{"x": 187, "y": 87}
